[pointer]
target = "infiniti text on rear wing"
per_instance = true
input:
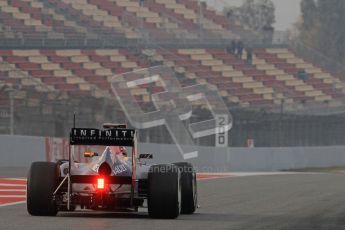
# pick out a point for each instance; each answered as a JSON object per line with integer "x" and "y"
{"x": 108, "y": 137}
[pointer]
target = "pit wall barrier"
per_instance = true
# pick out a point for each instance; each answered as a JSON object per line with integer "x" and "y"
{"x": 20, "y": 151}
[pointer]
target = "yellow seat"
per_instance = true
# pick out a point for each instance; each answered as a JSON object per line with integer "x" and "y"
{"x": 275, "y": 72}
{"x": 6, "y": 67}
{"x": 133, "y": 9}
{"x": 242, "y": 79}
{"x": 285, "y": 55}
{"x": 131, "y": 34}
{"x": 9, "y": 9}
{"x": 294, "y": 60}
{"x": 232, "y": 73}
{"x": 103, "y": 72}
{"x": 106, "y": 52}
{"x": 153, "y": 20}
{"x": 302, "y": 87}
{"x": 129, "y": 64}
{"x": 191, "y": 51}
{"x": 74, "y": 80}
{"x": 313, "y": 93}
{"x": 257, "y": 61}
{"x": 84, "y": 86}
{"x": 112, "y": 23}
{"x": 222, "y": 68}
{"x": 212, "y": 62}
{"x": 285, "y": 77}
{"x": 201, "y": 57}
{"x": 322, "y": 75}
{"x": 234, "y": 99}
{"x": 265, "y": 67}
{"x": 277, "y": 50}
{"x": 328, "y": 81}
{"x": 193, "y": 76}
{"x": 33, "y": 22}
{"x": 313, "y": 70}
{"x": 62, "y": 73}
{"x": 138, "y": 91}
{"x": 294, "y": 82}
{"x": 26, "y": 53}
{"x": 28, "y": 82}
{"x": 263, "y": 90}
{"x": 36, "y": 4}
{"x": 253, "y": 84}
{"x": 80, "y": 59}
{"x": 68, "y": 53}
{"x": 91, "y": 65}
{"x": 38, "y": 59}
{"x": 21, "y": 16}
{"x": 323, "y": 98}
{"x": 21, "y": 94}
{"x": 304, "y": 65}
{"x": 266, "y": 96}
{"x": 146, "y": 98}
{"x": 50, "y": 66}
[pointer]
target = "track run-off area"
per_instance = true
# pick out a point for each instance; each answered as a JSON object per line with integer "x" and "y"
{"x": 227, "y": 201}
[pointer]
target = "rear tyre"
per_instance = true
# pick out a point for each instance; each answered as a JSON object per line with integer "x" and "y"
{"x": 42, "y": 181}
{"x": 164, "y": 191}
{"x": 188, "y": 188}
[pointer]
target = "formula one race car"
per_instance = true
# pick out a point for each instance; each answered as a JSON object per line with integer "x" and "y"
{"x": 111, "y": 180}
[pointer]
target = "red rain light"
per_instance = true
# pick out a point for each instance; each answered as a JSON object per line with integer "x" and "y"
{"x": 100, "y": 183}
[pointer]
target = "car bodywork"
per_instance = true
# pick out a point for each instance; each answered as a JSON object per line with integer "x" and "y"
{"x": 126, "y": 184}
{"x": 110, "y": 181}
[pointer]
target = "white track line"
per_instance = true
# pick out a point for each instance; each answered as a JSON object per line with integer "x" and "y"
{"x": 237, "y": 174}
{"x": 21, "y": 179}
{"x": 13, "y": 203}
{"x": 21, "y": 185}
{"x": 213, "y": 178}
{"x": 12, "y": 190}
{"x": 12, "y": 196}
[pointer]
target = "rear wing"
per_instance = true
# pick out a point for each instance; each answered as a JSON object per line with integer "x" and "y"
{"x": 107, "y": 137}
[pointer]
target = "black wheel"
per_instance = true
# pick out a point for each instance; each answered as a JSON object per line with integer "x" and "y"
{"x": 189, "y": 193}
{"x": 42, "y": 181}
{"x": 164, "y": 191}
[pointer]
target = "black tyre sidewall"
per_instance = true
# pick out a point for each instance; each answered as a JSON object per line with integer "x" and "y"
{"x": 188, "y": 187}
{"x": 41, "y": 184}
{"x": 164, "y": 191}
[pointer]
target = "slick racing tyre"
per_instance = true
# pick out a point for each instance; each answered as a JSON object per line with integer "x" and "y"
{"x": 164, "y": 191}
{"x": 188, "y": 188}
{"x": 41, "y": 183}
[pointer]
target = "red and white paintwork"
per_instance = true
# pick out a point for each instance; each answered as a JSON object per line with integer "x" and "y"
{"x": 12, "y": 191}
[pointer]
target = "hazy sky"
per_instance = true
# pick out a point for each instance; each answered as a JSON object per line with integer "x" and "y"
{"x": 287, "y": 11}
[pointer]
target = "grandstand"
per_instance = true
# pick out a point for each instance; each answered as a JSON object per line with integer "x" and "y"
{"x": 57, "y": 57}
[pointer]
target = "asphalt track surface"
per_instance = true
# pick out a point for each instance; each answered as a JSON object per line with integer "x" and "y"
{"x": 293, "y": 201}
